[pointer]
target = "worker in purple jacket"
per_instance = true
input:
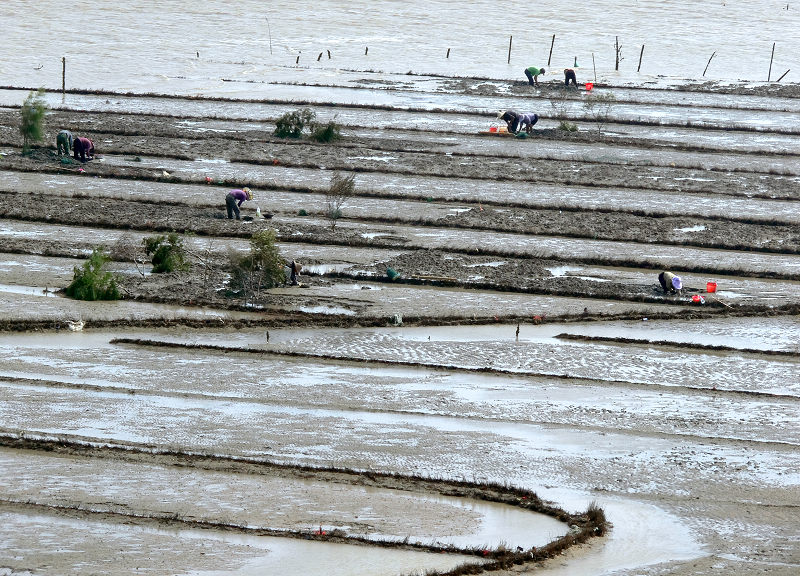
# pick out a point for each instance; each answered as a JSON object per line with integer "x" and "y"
{"x": 234, "y": 200}
{"x": 82, "y": 148}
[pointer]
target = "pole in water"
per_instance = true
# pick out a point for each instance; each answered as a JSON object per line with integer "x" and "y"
{"x": 509, "y": 49}
{"x": 448, "y": 53}
{"x": 782, "y": 75}
{"x": 298, "y": 60}
{"x": 329, "y": 54}
{"x": 595, "y": 68}
{"x": 320, "y": 56}
{"x": 366, "y": 49}
{"x": 709, "y": 62}
{"x": 640, "y": 59}
{"x": 270, "y": 34}
{"x": 553, "y": 41}
{"x": 769, "y": 74}
{"x": 63, "y": 74}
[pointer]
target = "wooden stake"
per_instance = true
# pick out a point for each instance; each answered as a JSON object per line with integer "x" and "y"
{"x": 366, "y": 49}
{"x": 782, "y": 75}
{"x": 270, "y": 35}
{"x": 298, "y": 60}
{"x": 769, "y": 74}
{"x": 64, "y": 74}
{"x": 509, "y": 49}
{"x": 553, "y": 41}
{"x": 448, "y": 52}
{"x": 709, "y": 62}
{"x": 319, "y": 57}
{"x": 639, "y": 67}
{"x": 616, "y": 52}
{"x": 329, "y": 54}
{"x": 595, "y": 68}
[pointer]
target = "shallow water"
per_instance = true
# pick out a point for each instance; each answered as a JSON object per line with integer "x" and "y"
{"x": 241, "y": 555}
{"x": 183, "y": 47}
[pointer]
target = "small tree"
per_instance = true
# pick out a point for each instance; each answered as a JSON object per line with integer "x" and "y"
{"x": 561, "y": 105}
{"x": 125, "y": 249}
{"x": 329, "y": 132}
{"x": 168, "y": 252}
{"x": 291, "y": 124}
{"x": 341, "y": 189}
{"x": 262, "y": 269}
{"x": 32, "y": 119}
{"x": 598, "y": 107}
{"x": 91, "y": 281}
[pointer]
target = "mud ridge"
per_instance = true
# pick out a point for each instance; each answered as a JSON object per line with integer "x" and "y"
{"x": 589, "y": 524}
{"x": 686, "y": 346}
{"x": 140, "y": 342}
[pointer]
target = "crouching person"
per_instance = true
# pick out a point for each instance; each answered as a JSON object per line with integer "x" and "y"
{"x": 670, "y": 283}
{"x": 82, "y": 149}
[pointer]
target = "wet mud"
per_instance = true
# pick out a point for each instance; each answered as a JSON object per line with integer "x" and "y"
{"x": 654, "y": 419}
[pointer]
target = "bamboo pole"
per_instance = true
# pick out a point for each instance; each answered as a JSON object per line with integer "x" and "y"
{"x": 595, "y": 68}
{"x": 784, "y": 74}
{"x": 639, "y": 67}
{"x": 553, "y": 41}
{"x": 709, "y": 62}
{"x": 270, "y": 34}
{"x": 509, "y": 49}
{"x": 769, "y": 74}
{"x": 448, "y": 53}
{"x": 366, "y": 49}
{"x": 63, "y": 75}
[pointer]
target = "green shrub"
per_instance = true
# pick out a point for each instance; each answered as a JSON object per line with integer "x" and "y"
{"x": 567, "y": 126}
{"x": 168, "y": 253}
{"x": 329, "y": 132}
{"x": 91, "y": 282}
{"x": 263, "y": 268}
{"x": 291, "y": 124}
{"x": 32, "y": 119}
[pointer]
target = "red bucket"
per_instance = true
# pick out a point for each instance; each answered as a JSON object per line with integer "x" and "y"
{"x": 492, "y": 128}
{"x": 711, "y": 287}
{"x": 589, "y": 86}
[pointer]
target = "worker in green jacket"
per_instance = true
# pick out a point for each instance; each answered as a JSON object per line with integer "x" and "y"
{"x": 532, "y": 73}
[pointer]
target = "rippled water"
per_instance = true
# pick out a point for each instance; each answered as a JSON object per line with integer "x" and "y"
{"x": 182, "y": 44}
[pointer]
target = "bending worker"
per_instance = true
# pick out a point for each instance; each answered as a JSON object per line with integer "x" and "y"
{"x": 234, "y": 199}
{"x": 515, "y": 120}
{"x": 82, "y": 149}
{"x": 64, "y": 141}
{"x": 670, "y": 283}
{"x": 533, "y": 74}
{"x": 569, "y": 76}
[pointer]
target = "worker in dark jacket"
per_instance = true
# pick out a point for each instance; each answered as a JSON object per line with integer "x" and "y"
{"x": 569, "y": 76}
{"x": 64, "y": 141}
{"x": 83, "y": 149}
{"x": 234, "y": 199}
{"x": 516, "y": 120}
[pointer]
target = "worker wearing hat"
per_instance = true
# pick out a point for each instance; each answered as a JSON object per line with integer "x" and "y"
{"x": 234, "y": 199}
{"x": 670, "y": 283}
